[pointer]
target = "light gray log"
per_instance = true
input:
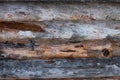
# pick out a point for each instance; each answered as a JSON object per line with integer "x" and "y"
{"x": 37, "y": 11}
{"x": 75, "y": 30}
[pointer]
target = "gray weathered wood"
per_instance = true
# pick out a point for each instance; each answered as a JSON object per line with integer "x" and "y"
{"x": 79, "y": 30}
{"x": 60, "y": 68}
{"x": 95, "y": 36}
{"x": 62, "y": 21}
{"x": 37, "y": 11}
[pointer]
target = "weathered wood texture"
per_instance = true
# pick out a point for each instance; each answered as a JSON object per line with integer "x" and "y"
{"x": 37, "y": 11}
{"x": 62, "y": 22}
{"x": 77, "y": 30}
{"x": 60, "y": 68}
{"x": 39, "y": 30}
{"x": 57, "y": 49}
{"x": 60, "y": 39}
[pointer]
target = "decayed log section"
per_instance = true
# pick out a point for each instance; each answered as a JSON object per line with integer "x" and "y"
{"x": 44, "y": 30}
{"x": 86, "y": 32}
{"x": 58, "y": 39}
{"x": 79, "y": 50}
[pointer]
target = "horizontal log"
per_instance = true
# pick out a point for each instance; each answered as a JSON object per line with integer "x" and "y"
{"x": 59, "y": 30}
{"x": 73, "y": 30}
{"x": 37, "y": 11}
{"x": 59, "y": 49}
{"x": 61, "y": 68}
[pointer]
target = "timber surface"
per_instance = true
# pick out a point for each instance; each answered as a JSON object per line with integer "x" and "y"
{"x": 41, "y": 11}
{"x": 60, "y": 68}
{"x": 75, "y": 21}
{"x": 48, "y": 49}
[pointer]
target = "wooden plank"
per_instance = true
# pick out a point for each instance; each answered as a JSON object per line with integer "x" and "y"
{"x": 60, "y": 68}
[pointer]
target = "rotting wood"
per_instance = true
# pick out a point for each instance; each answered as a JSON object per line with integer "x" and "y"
{"x": 20, "y": 26}
{"x": 84, "y": 49}
{"x": 60, "y": 39}
{"x": 59, "y": 35}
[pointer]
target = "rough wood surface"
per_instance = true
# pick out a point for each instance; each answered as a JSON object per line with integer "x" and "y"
{"x": 71, "y": 36}
{"x": 76, "y": 30}
{"x": 60, "y": 68}
{"x": 37, "y": 11}
{"x": 60, "y": 39}
{"x": 40, "y": 30}
{"x": 47, "y": 49}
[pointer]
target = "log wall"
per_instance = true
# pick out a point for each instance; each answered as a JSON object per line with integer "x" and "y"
{"x": 59, "y": 39}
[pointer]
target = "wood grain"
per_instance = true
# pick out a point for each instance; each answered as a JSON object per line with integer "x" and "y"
{"x": 93, "y": 68}
{"x": 60, "y": 49}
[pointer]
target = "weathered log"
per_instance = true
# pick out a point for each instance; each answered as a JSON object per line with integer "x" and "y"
{"x": 60, "y": 39}
{"x": 50, "y": 49}
{"x": 74, "y": 30}
{"x": 61, "y": 68}
{"x": 40, "y": 30}
{"x": 37, "y": 11}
